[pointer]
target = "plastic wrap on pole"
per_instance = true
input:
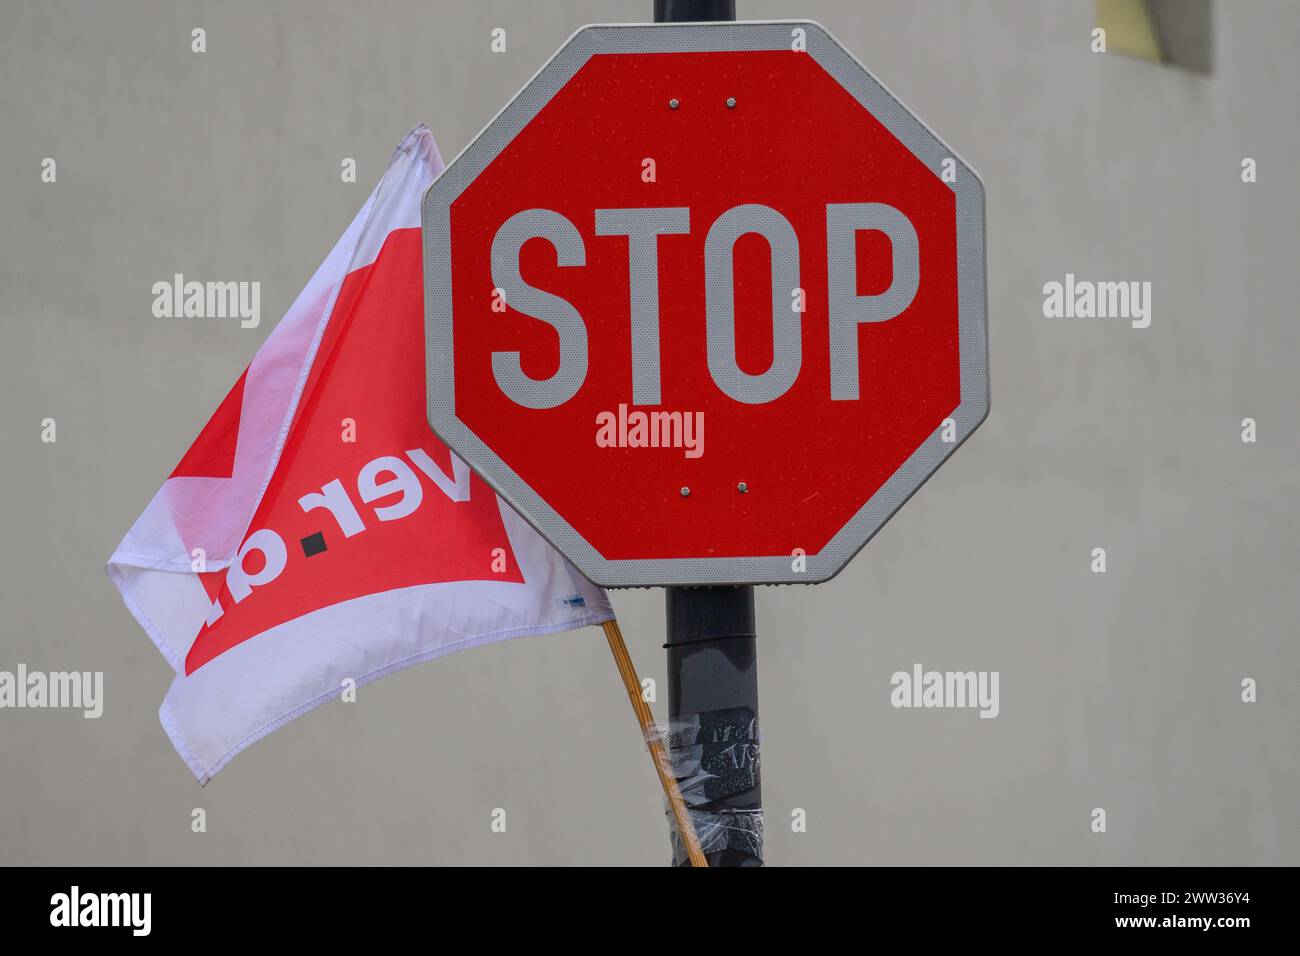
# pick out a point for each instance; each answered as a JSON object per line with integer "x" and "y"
{"x": 714, "y": 757}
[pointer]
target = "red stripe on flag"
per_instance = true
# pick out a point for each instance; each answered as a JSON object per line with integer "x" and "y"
{"x": 368, "y": 384}
{"x": 213, "y": 453}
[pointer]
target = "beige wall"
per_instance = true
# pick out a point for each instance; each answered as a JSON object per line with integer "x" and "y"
{"x": 1118, "y": 691}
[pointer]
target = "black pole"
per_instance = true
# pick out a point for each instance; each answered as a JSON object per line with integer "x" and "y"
{"x": 713, "y": 720}
{"x": 694, "y": 11}
{"x": 712, "y": 669}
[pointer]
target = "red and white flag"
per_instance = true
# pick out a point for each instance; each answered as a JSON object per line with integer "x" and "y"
{"x": 317, "y": 531}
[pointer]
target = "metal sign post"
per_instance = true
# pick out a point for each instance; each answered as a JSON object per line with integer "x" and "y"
{"x": 713, "y": 653}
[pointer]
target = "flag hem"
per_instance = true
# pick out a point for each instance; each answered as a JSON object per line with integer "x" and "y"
{"x": 204, "y": 774}
{"x": 116, "y": 576}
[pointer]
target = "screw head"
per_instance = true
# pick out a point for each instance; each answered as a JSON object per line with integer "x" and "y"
{"x": 731, "y": 102}
{"x": 686, "y": 492}
{"x": 742, "y": 487}
{"x": 674, "y": 103}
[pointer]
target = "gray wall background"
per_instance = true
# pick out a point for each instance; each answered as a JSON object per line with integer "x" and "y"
{"x": 1119, "y": 690}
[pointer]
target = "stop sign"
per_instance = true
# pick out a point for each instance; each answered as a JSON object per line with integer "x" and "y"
{"x": 705, "y": 303}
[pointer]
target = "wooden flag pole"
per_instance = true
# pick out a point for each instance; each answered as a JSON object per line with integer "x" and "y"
{"x": 657, "y": 753}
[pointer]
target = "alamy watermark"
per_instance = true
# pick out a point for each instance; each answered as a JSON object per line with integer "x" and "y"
{"x": 208, "y": 300}
{"x": 1083, "y": 299}
{"x": 637, "y": 429}
{"x": 77, "y": 690}
{"x": 922, "y": 688}
{"x": 75, "y": 908}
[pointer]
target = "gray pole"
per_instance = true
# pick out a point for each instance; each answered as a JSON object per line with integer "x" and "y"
{"x": 712, "y": 668}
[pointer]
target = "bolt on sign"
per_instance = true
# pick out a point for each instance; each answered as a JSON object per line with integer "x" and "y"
{"x": 705, "y": 303}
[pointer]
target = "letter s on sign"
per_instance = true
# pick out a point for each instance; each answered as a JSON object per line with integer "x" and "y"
{"x": 547, "y": 307}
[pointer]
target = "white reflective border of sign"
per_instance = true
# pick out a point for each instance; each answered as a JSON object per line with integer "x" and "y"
{"x": 660, "y": 38}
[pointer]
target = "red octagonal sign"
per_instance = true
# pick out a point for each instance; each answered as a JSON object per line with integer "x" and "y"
{"x": 705, "y": 303}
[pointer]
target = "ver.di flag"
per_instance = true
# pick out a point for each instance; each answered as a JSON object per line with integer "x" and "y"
{"x": 317, "y": 531}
